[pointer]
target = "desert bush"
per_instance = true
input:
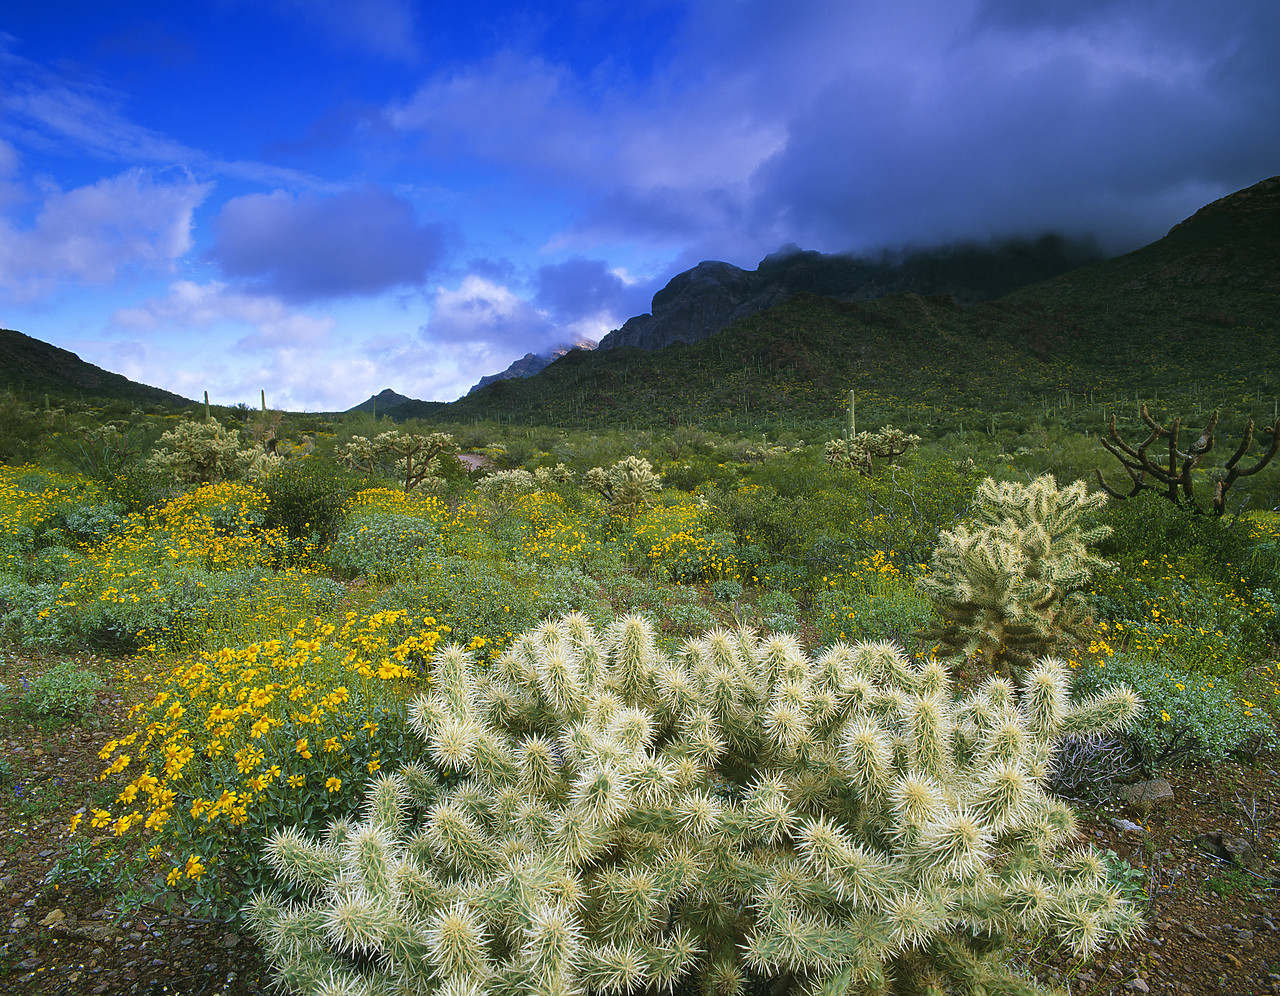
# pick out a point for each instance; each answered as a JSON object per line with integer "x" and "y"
{"x": 307, "y": 497}
{"x": 1188, "y": 718}
{"x": 875, "y": 600}
{"x": 1159, "y": 609}
{"x": 65, "y": 691}
{"x": 380, "y": 545}
{"x": 591, "y": 815}
{"x": 233, "y": 740}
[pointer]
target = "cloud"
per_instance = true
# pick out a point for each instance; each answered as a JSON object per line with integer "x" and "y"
{"x": 479, "y": 311}
{"x": 46, "y": 110}
{"x": 92, "y": 234}
{"x": 579, "y": 288}
{"x": 305, "y": 248}
{"x": 205, "y": 306}
{"x": 881, "y": 123}
{"x": 1025, "y": 124}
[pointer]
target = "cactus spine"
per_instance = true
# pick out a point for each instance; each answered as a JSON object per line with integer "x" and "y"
{"x": 593, "y": 815}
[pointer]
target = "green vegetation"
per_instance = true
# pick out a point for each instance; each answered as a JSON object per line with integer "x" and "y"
{"x": 274, "y": 611}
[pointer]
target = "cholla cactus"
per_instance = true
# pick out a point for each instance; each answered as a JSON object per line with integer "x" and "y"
{"x": 206, "y": 452}
{"x": 559, "y": 474}
{"x": 503, "y": 489}
{"x": 1006, "y": 589}
{"x": 415, "y": 458}
{"x": 860, "y": 450}
{"x": 593, "y": 816}
{"x": 628, "y": 485}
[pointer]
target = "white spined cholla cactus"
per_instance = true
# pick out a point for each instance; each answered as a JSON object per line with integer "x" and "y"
{"x": 593, "y": 816}
{"x": 206, "y": 452}
{"x": 1007, "y": 588}
{"x": 628, "y": 485}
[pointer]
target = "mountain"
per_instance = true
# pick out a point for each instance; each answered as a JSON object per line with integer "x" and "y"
{"x": 32, "y": 366}
{"x": 1195, "y": 314}
{"x": 532, "y": 363}
{"x": 381, "y": 403}
{"x": 700, "y": 302}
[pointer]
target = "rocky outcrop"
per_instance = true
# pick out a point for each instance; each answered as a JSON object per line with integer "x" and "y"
{"x": 532, "y": 363}
{"x": 713, "y": 295}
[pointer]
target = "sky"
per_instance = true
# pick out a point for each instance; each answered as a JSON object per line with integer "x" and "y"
{"x": 325, "y": 198}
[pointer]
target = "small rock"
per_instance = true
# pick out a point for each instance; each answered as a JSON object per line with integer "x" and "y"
{"x": 52, "y": 917}
{"x": 1228, "y": 956}
{"x": 1137, "y": 986}
{"x": 230, "y": 940}
{"x": 1195, "y": 931}
{"x": 1126, "y": 826}
{"x": 1147, "y": 795}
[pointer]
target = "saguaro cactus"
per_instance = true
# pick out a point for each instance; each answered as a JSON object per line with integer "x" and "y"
{"x": 593, "y": 816}
{"x": 1006, "y": 589}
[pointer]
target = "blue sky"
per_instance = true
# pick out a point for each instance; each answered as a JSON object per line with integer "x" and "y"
{"x": 323, "y": 199}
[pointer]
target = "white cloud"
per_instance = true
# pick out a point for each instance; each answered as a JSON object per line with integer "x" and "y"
{"x": 92, "y": 234}
{"x": 480, "y": 311}
{"x": 204, "y": 306}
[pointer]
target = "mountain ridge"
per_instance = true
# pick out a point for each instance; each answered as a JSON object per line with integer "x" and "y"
{"x": 31, "y": 364}
{"x": 703, "y": 300}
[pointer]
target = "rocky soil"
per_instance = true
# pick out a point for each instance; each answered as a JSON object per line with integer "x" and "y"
{"x": 1213, "y": 918}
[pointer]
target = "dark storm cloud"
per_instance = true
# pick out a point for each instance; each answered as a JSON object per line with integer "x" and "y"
{"x": 1095, "y": 122}
{"x": 356, "y": 243}
{"x": 583, "y": 288}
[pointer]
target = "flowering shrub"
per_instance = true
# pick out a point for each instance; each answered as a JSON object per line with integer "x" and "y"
{"x": 875, "y": 600}
{"x": 227, "y": 743}
{"x": 680, "y": 541}
{"x": 1189, "y": 717}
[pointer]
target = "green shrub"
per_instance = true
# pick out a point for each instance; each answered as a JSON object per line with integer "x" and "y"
{"x": 1187, "y": 718}
{"x": 308, "y": 497}
{"x": 65, "y": 691}
{"x": 887, "y": 613}
{"x": 90, "y": 524}
{"x": 590, "y": 815}
{"x": 380, "y": 545}
{"x": 139, "y": 488}
{"x": 1159, "y": 609}
{"x": 1149, "y": 528}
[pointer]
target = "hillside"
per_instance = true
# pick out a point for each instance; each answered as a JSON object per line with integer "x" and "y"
{"x": 1197, "y": 312}
{"x": 711, "y": 296}
{"x": 29, "y": 365}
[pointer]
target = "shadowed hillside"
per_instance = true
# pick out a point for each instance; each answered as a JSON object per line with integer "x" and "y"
{"x": 29, "y": 365}
{"x": 1195, "y": 313}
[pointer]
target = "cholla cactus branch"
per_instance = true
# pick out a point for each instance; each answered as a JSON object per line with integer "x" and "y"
{"x": 1007, "y": 589}
{"x": 412, "y": 457}
{"x": 1173, "y": 479}
{"x": 593, "y": 816}
{"x": 628, "y": 486}
{"x": 860, "y": 451}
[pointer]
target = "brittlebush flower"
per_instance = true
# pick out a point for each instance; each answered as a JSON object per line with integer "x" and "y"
{"x": 195, "y": 867}
{"x": 333, "y": 784}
